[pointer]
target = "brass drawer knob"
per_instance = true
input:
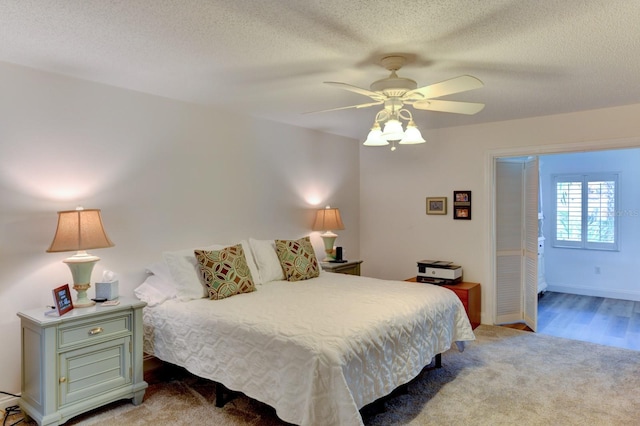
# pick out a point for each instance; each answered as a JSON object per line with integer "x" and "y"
{"x": 95, "y": 331}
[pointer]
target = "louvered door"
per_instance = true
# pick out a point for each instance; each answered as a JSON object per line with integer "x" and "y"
{"x": 509, "y": 236}
{"x": 517, "y": 241}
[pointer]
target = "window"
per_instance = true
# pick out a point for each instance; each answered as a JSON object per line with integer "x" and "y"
{"x": 585, "y": 211}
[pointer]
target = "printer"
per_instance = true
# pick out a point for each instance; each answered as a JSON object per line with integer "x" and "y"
{"x": 439, "y": 272}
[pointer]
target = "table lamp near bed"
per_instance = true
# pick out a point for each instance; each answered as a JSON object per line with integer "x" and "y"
{"x": 80, "y": 230}
{"x": 327, "y": 220}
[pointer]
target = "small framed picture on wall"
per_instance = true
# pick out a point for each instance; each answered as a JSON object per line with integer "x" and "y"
{"x": 436, "y": 205}
{"x": 462, "y": 205}
{"x": 462, "y": 213}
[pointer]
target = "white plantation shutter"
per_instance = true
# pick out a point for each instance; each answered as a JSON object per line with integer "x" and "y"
{"x": 585, "y": 211}
{"x": 601, "y": 208}
{"x": 569, "y": 209}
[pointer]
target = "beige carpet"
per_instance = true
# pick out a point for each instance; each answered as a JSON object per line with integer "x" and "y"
{"x": 505, "y": 377}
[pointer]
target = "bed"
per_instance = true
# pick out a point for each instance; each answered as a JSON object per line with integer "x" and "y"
{"x": 316, "y": 350}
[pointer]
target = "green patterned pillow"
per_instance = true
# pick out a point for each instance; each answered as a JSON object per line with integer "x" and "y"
{"x": 225, "y": 272}
{"x": 298, "y": 259}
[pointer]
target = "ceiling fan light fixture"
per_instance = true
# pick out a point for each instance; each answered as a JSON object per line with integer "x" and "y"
{"x": 412, "y": 135}
{"x": 393, "y": 130}
{"x": 395, "y": 92}
{"x": 375, "y": 137}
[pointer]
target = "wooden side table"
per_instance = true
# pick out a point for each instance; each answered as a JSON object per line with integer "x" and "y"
{"x": 469, "y": 294}
{"x": 350, "y": 267}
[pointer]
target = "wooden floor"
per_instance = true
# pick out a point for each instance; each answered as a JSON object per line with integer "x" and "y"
{"x": 611, "y": 322}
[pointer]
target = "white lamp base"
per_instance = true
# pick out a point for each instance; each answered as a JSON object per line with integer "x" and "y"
{"x": 82, "y": 301}
{"x": 81, "y": 265}
{"x": 329, "y": 239}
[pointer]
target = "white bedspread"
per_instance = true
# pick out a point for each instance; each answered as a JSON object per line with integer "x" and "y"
{"x": 318, "y": 350}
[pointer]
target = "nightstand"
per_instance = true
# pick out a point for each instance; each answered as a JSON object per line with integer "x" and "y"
{"x": 469, "y": 294}
{"x": 81, "y": 360}
{"x": 350, "y": 267}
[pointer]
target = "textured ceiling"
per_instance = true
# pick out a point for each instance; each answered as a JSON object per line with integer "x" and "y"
{"x": 268, "y": 58}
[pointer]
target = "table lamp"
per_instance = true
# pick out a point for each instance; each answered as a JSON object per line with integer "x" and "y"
{"x": 80, "y": 230}
{"x": 328, "y": 219}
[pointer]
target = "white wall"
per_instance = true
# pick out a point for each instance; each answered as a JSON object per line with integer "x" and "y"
{"x": 574, "y": 271}
{"x": 167, "y": 175}
{"x": 395, "y": 229}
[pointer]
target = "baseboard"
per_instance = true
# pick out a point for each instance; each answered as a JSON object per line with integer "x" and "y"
{"x": 609, "y": 293}
{"x": 8, "y": 401}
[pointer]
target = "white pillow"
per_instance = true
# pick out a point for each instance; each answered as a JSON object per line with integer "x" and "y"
{"x": 152, "y": 291}
{"x": 266, "y": 258}
{"x": 184, "y": 270}
{"x": 183, "y": 266}
{"x": 161, "y": 270}
{"x": 251, "y": 262}
{"x": 162, "y": 279}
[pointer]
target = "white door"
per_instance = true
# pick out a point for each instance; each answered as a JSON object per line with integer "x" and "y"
{"x": 516, "y": 241}
{"x": 530, "y": 260}
{"x": 509, "y": 178}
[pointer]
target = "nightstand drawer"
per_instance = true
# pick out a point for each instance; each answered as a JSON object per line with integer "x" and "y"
{"x": 463, "y": 295}
{"x": 88, "y": 331}
{"x": 351, "y": 267}
{"x": 469, "y": 294}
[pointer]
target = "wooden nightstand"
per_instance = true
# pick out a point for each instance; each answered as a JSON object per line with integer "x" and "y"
{"x": 469, "y": 294}
{"x": 350, "y": 267}
{"x": 82, "y": 360}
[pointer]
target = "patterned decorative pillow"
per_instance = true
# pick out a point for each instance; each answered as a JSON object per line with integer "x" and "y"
{"x": 225, "y": 272}
{"x": 298, "y": 259}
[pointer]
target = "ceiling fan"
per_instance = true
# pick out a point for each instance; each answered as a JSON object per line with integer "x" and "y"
{"x": 395, "y": 92}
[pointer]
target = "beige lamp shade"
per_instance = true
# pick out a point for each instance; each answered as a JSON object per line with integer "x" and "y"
{"x": 328, "y": 219}
{"x": 79, "y": 230}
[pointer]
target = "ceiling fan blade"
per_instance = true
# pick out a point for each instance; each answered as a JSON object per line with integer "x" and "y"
{"x": 347, "y": 107}
{"x": 447, "y": 87}
{"x": 468, "y": 108}
{"x": 373, "y": 95}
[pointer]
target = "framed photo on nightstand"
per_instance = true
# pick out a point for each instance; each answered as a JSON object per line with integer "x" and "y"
{"x": 62, "y": 299}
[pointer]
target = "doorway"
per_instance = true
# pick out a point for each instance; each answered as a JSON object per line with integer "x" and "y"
{"x": 565, "y": 286}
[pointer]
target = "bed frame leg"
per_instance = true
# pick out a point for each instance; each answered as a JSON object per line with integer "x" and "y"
{"x": 223, "y": 395}
{"x": 220, "y": 389}
{"x": 438, "y": 361}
